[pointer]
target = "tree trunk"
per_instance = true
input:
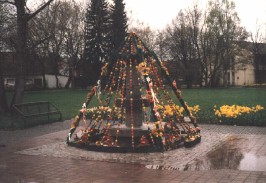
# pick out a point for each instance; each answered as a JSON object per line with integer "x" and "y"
{"x": 21, "y": 47}
{"x": 20, "y": 52}
{"x": 3, "y": 102}
{"x": 70, "y": 79}
{"x": 44, "y": 81}
{"x": 44, "y": 84}
{"x": 189, "y": 80}
{"x": 57, "y": 81}
{"x": 225, "y": 79}
{"x": 19, "y": 90}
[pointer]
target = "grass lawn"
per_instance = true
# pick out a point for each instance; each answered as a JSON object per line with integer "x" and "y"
{"x": 70, "y": 101}
{"x": 207, "y": 98}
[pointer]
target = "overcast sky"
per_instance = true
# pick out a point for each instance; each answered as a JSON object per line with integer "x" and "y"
{"x": 158, "y": 13}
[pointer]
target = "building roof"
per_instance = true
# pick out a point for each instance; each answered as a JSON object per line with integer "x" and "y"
{"x": 33, "y": 66}
{"x": 259, "y": 47}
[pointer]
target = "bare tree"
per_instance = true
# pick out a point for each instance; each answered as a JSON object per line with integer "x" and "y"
{"x": 256, "y": 38}
{"x": 258, "y": 50}
{"x": 58, "y": 36}
{"x": 74, "y": 44}
{"x": 6, "y": 21}
{"x": 205, "y": 44}
{"x": 181, "y": 47}
{"x": 221, "y": 33}
{"x": 161, "y": 45}
{"x": 147, "y": 35}
{"x": 195, "y": 20}
{"x": 3, "y": 101}
{"x": 23, "y": 17}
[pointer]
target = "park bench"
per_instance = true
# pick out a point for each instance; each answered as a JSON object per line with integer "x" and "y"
{"x": 36, "y": 109}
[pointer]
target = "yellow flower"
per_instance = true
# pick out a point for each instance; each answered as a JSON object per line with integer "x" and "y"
{"x": 234, "y": 111}
{"x": 259, "y": 107}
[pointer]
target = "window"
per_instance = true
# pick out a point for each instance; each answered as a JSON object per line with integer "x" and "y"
{"x": 10, "y": 81}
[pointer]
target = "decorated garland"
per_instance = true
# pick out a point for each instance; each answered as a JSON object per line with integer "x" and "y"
{"x": 134, "y": 81}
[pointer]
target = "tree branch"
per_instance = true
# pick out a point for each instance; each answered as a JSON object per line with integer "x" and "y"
{"x": 8, "y": 2}
{"x": 37, "y": 11}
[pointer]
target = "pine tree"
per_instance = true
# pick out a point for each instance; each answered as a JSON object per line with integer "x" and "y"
{"x": 119, "y": 24}
{"x": 97, "y": 37}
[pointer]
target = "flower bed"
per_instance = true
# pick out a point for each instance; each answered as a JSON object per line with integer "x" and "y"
{"x": 167, "y": 111}
{"x": 240, "y": 115}
{"x": 226, "y": 114}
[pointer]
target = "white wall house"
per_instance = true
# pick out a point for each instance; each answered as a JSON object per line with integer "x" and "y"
{"x": 242, "y": 72}
{"x": 245, "y": 76}
{"x": 51, "y": 81}
{"x": 36, "y": 81}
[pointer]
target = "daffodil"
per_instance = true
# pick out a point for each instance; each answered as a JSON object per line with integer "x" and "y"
{"x": 234, "y": 111}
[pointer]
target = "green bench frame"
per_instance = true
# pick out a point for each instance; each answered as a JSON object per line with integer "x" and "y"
{"x": 36, "y": 109}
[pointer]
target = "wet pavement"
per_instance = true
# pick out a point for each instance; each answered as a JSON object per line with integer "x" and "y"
{"x": 238, "y": 152}
{"x": 226, "y": 154}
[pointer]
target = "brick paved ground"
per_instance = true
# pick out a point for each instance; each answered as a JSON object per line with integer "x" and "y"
{"x": 43, "y": 167}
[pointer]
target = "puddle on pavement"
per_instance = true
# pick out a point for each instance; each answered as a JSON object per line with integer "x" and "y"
{"x": 253, "y": 162}
{"x": 230, "y": 155}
